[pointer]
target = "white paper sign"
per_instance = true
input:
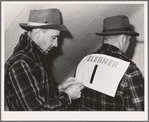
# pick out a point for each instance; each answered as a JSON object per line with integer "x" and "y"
{"x": 101, "y": 72}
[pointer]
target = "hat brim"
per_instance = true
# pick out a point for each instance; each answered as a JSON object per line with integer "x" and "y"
{"x": 118, "y": 33}
{"x": 25, "y": 26}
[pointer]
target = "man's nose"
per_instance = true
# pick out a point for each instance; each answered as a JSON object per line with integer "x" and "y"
{"x": 55, "y": 43}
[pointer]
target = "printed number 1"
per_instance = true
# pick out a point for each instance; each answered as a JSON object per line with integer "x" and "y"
{"x": 93, "y": 74}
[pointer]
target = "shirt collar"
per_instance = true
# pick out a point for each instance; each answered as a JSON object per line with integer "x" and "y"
{"x": 114, "y": 50}
{"x": 26, "y": 43}
{"x": 31, "y": 49}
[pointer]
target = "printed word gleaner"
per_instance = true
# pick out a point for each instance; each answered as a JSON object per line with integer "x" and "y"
{"x": 104, "y": 61}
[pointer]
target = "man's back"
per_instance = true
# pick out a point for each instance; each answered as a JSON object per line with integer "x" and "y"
{"x": 130, "y": 91}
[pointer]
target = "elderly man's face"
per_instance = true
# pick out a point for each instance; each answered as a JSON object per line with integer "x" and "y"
{"x": 49, "y": 39}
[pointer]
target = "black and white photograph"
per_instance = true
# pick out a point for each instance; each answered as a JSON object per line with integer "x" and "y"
{"x": 74, "y": 60}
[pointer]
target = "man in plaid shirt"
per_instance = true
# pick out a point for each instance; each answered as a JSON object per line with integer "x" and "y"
{"x": 130, "y": 91}
{"x": 28, "y": 85}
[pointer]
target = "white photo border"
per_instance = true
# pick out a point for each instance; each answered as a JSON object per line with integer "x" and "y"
{"x": 73, "y": 116}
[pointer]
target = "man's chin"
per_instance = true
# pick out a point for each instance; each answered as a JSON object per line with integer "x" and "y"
{"x": 48, "y": 50}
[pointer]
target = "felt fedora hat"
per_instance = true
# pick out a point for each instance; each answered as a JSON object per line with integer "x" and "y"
{"x": 117, "y": 25}
{"x": 44, "y": 19}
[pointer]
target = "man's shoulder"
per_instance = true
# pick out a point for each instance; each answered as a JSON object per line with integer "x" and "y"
{"x": 133, "y": 70}
{"x": 15, "y": 59}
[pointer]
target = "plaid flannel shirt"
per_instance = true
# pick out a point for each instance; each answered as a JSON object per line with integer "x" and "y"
{"x": 129, "y": 95}
{"x": 28, "y": 87}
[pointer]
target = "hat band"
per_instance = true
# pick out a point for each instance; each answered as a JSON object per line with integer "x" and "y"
{"x": 118, "y": 29}
{"x": 37, "y": 24}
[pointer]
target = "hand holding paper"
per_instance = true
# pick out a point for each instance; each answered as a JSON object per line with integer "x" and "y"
{"x": 70, "y": 81}
{"x": 74, "y": 91}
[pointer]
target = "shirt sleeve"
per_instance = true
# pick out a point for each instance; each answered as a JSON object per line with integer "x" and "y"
{"x": 32, "y": 90}
{"x": 136, "y": 88}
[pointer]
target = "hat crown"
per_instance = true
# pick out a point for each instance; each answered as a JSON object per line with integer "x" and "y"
{"x": 117, "y": 25}
{"x": 44, "y": 19}
{"x": 116, "y": 22}
{"x": 48, "y": 16}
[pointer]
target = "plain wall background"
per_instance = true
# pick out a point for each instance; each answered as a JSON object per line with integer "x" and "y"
{"x": 82, "y": 20}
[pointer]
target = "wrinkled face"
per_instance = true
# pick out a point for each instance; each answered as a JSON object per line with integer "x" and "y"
{"x": 48, "y": 39}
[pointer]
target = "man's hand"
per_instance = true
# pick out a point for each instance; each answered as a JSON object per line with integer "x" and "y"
{"x": 70, "y": 81}
{"x": 74, "y": 91}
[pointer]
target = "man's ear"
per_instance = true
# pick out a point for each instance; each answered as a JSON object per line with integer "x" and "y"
{"x": 37, "y": 33}
{"x": 122, "y": 40}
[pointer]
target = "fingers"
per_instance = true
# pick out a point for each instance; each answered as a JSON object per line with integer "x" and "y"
{"x": 74, "y": 91}
{"x": 80, "y": 86}
{"x": 71, "y": 80}
{"x": 75, "y": 88}
{"x": 68, "y": 83}
{"x": 78, "y": 95}
{"x": 72, "y": 87}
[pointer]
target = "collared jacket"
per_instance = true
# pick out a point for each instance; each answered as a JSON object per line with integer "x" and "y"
{"x": 129, "y": 95}
{"x": 28, "y": 85}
